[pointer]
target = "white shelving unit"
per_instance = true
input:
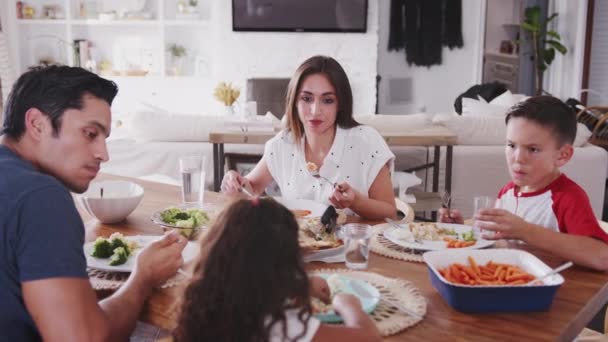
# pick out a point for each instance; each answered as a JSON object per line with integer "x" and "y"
{"x": 131, "y": 46}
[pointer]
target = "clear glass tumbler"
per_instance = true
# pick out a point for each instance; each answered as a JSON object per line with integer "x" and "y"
{"x": 356, "y": 245}
{"x": 481, "y": 202}
{"x": 192, "y": 169}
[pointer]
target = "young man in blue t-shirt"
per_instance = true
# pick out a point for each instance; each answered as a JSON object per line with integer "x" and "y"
{"x": 52, "y": 142}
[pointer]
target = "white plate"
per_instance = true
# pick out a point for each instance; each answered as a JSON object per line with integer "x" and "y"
{"x": 429, "y": 245}
{"x": 188, "y": 254}
{"x": 317, "y": 209}
{"x": 367, "y": 303}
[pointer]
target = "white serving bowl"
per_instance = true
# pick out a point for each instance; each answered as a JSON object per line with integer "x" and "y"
{"x": 119, "y": 199}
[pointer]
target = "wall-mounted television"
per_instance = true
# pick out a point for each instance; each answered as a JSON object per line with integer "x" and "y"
{"x": 300, "y": 15}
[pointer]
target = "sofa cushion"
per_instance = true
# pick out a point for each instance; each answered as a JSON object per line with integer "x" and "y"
{"x": 490, "y": 129}
{"x": 472, "y": 107}
{"x": 396, "y": 123}
{"x": 160, "y": 126}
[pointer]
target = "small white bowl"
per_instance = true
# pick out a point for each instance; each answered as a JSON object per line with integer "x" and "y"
{"x": 119, "y": 199}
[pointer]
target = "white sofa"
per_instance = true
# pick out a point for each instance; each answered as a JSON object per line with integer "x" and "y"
{"x": 479, "y": 164}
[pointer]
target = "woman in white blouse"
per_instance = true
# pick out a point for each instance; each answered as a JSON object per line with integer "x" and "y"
{"x": 321, "y": 130}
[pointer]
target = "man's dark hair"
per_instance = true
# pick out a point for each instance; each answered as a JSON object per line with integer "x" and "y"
{"x": 52, "y": 90}
{"x": 549, "y": 112}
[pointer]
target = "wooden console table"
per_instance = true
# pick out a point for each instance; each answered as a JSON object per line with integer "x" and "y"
{"x": 435, "y": 136}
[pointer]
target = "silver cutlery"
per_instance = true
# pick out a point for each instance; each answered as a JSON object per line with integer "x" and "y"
{"x": 396, "y": 225}
{"x": 364, "y": 293}
{"x": 552, "y": 272}
{"x": 317, "y": 175}
{"x": 446, "y": 200}
{"x": 247, "y": 192}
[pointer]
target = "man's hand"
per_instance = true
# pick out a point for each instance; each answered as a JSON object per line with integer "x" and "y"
{"x": 161, "y": 259}
{"x": 319, "y": 288}
{"x": 450, "y": 216}
{"x": 504, "y": 224}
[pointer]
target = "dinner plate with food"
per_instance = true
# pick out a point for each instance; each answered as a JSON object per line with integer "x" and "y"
{"x": 318, "y": 225}
{"x": 117, "y": 253}
{"x": 303, "y": 207}
{"x": 342, "y": 284}
{"x": 431, "y": 236}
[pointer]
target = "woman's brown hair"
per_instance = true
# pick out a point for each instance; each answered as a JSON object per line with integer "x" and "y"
{"x": 331, "y": 69}
{"x": 249, "y": 272}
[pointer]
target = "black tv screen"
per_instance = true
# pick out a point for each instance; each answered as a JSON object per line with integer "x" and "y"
{"x": 300, "y": 15}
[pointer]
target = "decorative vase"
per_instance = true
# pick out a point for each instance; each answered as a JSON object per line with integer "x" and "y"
{"x": 228, "y": 110}
{"x": 176, "y": 66}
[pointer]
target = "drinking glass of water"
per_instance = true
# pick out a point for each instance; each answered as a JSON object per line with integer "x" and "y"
{"x": 192, "y": 168}
{"x": 481, "y": 202}
{"x": 356, "y": 245}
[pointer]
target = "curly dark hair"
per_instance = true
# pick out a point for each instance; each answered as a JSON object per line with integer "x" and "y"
{"x": 249, "y": 272}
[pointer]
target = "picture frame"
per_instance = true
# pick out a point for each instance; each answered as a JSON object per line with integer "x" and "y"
{"x": 241, "y": 162}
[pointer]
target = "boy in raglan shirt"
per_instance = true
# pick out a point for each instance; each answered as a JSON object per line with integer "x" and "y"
{"x": 541, "y": 205}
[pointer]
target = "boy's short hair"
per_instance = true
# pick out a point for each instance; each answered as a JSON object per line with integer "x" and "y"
{"x": 52, "y": 90}
{"x": 549, "y": 112}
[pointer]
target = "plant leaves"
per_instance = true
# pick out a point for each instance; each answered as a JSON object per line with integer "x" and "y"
{"x": 548, "y": 55}
{"x": 558, "y": 46}
{"x": 529, "y": 27}
{"x": 554, "y": 35}
{"x": 533, "y": 16}
{"x": 553, "y": 16}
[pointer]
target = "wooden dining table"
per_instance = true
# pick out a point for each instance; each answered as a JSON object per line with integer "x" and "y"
{"x": 580, "y": 297}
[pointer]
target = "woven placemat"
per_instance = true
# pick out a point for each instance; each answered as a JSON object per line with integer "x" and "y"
{"x": 104, "y": 280}
{"x": 388, "y": 318}
{"x": 382, "y": 246}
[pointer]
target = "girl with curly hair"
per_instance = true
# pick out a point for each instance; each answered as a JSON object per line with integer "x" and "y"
{"x": 250, "y": 284}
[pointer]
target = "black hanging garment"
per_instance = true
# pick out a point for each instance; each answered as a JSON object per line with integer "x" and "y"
{"x": 423, "y": 27}
{"x": 452, "y": 24}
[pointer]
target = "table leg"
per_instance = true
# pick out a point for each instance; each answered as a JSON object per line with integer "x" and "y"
{"x": 448, "y": 169}
{"x": 436, "y": 166}
{"x": 222, "y": 162}
{"x": 216, "y": 163}
{"x": 436, "y": 159}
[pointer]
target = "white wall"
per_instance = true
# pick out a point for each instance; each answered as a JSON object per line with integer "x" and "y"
{"x": 243, "y": 55}
{"x": 7, "y": 57}
{"x": 435, "y": 88}
{"x": 564, "y": 77}
{"x": 500, "y": 12}
{"x": 598, "y": 68}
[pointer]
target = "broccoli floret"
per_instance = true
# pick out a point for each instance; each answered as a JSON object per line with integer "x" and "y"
{"x": 101, "y": 248}
{"x": 119, "y": 242}
{"x": 119, "y": 257}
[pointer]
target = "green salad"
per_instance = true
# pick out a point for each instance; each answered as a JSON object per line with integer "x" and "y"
{"x": 184, "y": 218}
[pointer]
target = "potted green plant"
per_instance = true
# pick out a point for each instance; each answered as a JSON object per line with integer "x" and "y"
{"x": 178, "y": 53}
{"x": 544, "y": 42}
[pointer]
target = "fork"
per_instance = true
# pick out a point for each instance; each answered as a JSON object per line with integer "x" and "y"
{"x": 446, "y": 200}
{"x": 316, "y": 174}
{"x": 396, "y": 225}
